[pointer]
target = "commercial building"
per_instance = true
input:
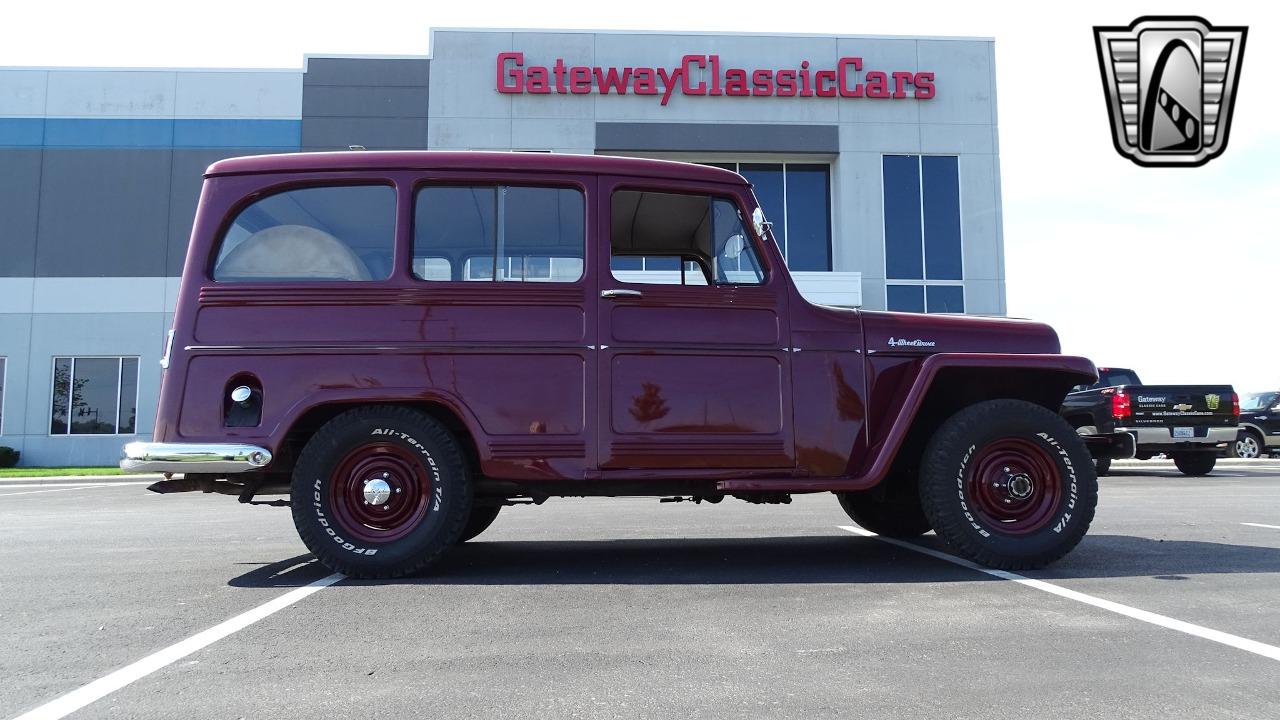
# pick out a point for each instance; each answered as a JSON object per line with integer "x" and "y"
{"x": 876, "y": 158}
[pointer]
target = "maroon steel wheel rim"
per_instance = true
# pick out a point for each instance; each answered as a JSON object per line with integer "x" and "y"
{"x": 356, "y": 492}
{"x": 1013, "y": 486}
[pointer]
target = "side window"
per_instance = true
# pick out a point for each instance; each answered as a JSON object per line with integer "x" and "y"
{"x": 499, "y": 233}
{"x": 680, "y": 239}
{"x": 312, "y": 234}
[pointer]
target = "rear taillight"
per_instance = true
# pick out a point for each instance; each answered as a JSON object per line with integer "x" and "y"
{"x": 1235, "y": 404}
{"x": 1120, "y": 405}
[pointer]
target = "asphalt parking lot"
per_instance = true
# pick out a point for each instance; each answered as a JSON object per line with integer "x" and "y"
{"x": 627, "y": 608}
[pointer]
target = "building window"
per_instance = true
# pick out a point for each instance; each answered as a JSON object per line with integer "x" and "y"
{"x": 94, "y": 396}
{"x": 4, "y": 366}
{"x": 796, "y": 198}
{"x": 312, "y": 234}
{"x": 924, "y": 265}
{"x": 499, "y": 233}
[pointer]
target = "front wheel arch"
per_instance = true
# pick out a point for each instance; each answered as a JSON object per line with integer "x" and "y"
{"x": 948, "y": 384}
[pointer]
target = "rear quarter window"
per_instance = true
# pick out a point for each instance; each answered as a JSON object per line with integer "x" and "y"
{"x": 331, "y": 233}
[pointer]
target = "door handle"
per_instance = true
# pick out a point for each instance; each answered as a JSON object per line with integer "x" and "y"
{"x": 620, "y": 293}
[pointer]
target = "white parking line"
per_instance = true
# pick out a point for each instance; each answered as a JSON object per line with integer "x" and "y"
{"x": 108, "y": 684}
{"x": 1268, "y": 651}
{"x": 59, "y": 488}
{"x": 1261, "y": 525}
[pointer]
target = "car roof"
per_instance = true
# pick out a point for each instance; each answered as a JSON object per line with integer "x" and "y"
{"x": 470, "y": 160}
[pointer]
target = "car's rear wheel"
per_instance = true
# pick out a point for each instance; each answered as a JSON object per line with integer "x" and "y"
{"x": 1101, "y": 466}
{"x": 897, "y": 516}
{"x": 1195, "y": 464}
{"x": 1248, "y": 445}
{"x": 482, "y": 516}
{"x": 1008, "y": 484}
{"x": 380, "y": 492}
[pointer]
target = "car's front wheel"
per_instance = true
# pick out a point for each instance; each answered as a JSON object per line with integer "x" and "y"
{"x": 1008, "y": 484}
{"x": 380, "y": 492}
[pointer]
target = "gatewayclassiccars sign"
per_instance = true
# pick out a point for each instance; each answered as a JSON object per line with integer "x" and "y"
{"x": 703, "y": 75}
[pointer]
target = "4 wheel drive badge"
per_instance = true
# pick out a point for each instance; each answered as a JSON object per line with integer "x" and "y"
{"x": 1170, "y": 84}
{"x": 1211, "y": 401}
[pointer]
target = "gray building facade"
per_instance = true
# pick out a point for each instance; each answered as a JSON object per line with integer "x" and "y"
{"x": 875, "y": 157}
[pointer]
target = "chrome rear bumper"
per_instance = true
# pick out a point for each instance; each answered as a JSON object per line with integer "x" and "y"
{"x": 1164, "y": 436}
{"x": 193, "y": 457}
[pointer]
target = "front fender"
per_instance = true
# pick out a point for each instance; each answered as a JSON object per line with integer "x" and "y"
{"x": 872, "y": 468}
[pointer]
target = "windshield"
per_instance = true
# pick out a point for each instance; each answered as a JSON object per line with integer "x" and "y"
{"x": 1258, "y": 401}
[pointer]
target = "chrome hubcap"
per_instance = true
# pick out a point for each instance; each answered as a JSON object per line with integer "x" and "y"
{"x": 376, "y": 491}
{"x": 1247, "y": 448}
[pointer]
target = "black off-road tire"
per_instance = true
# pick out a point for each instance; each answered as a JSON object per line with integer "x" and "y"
{"x": 970, "y": 445}
{"x": 897, "y": 517}
{"x": 482, "y": 516}
{"x": 1102, "y": 466}
{"x": 1195, "y": 464}
{"x": 435, "y": 481}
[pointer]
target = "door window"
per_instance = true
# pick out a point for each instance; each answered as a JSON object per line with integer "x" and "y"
{"x": 680, "y": 239}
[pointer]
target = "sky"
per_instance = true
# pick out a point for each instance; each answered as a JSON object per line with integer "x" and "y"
{"x": 1174, "y": 272}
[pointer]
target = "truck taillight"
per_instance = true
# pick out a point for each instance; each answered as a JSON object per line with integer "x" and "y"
{"x": 1120, "y": 405}
{"x": 1235, "y": 404}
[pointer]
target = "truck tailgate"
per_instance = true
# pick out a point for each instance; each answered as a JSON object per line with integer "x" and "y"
{"x": 1181, "y": 405}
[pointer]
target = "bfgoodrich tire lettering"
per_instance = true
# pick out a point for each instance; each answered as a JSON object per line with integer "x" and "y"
{"x": 426, "y": 502}
{"x": 1008, "y": 484}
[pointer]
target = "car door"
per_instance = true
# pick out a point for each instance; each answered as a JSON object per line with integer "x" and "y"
{"x": 694, "y": 371}
{"x": 503, "y": 300}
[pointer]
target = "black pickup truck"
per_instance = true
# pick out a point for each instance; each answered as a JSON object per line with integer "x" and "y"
{"x": 1120, "y": 417}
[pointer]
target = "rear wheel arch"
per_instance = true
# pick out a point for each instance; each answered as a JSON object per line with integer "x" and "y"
{"x": 311, "y": 420}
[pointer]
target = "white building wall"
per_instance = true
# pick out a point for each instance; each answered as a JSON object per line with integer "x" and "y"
{"x": 467, "y": 112}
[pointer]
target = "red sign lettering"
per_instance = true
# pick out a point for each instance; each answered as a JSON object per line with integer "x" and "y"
{"x": 705, "y": 75}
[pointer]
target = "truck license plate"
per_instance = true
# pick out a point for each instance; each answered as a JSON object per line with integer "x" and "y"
{"x": 1184, "y": 432}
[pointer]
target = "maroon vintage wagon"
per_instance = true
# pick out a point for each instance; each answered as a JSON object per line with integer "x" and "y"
{"x": 405, "y": 342}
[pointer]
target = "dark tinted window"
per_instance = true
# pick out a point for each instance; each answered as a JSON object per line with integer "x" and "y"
{"x": 491, "y": 232}
{"x": 318, "y": 233}
{"x": 796, "y": 199}
{"x": 942, "y": 218}
{"x": 94, "y": 396}
{"x": 905, "y": 298}
{"x": 808, "y": 217}
{"x": 945, "y": 298}
{"x": 902, "y": 232}
{"x": 766, "y": 183}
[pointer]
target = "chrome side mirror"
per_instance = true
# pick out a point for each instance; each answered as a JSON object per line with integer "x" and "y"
{"x": 757, "y": 219}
